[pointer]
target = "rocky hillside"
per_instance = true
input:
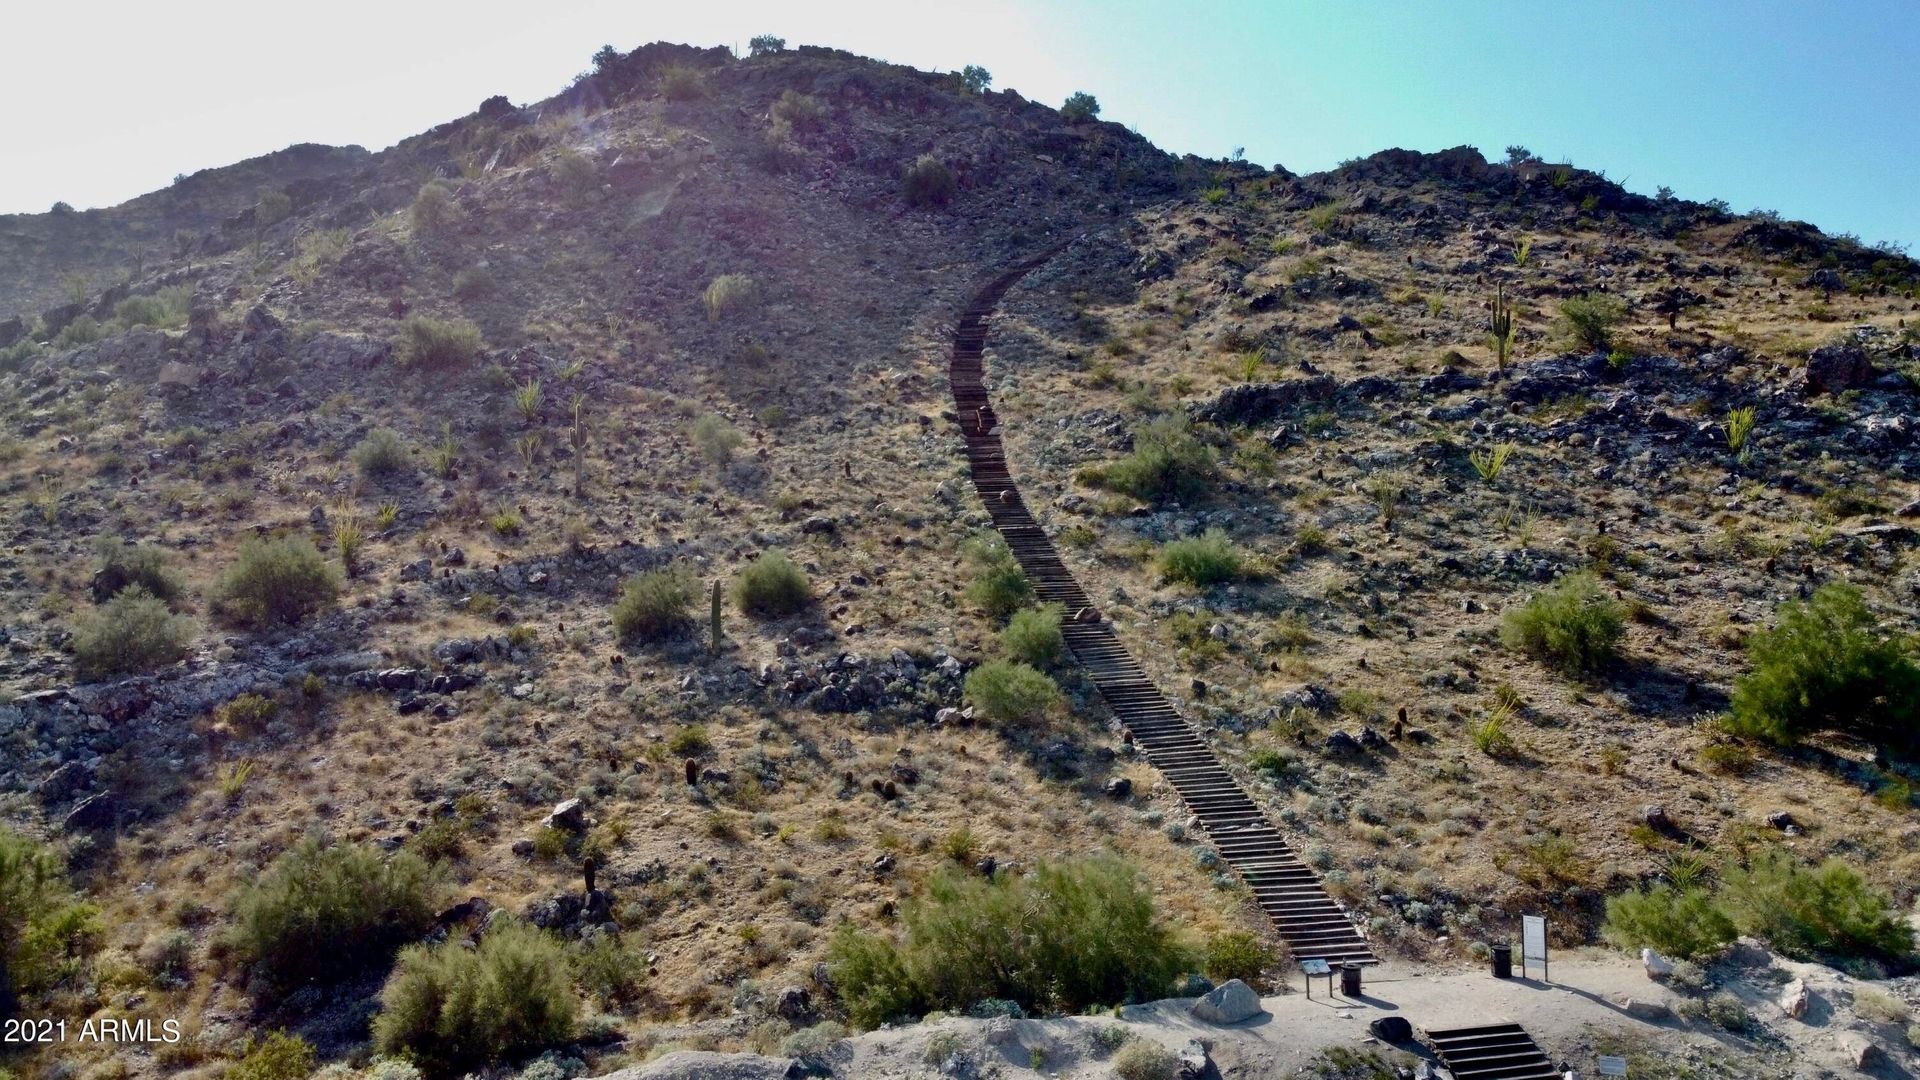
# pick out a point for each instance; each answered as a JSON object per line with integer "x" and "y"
{"x": 447, "y": 402}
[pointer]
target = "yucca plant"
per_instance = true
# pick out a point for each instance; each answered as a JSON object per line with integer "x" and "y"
{"x": 233, "y": 780}
{"x": 1739, "y": 428}
{"x": 1490, "y": 463}
{"x": 1522, "y": 248}
{"x": 527, "y": 399}
{"x": 388, "y": 513}
{"x": 1501, "y": 326}
{"x": 446, "y": 453}
{"x": 505, "y": 521}
{"x": 350, "y": 538}
{"x": 529, "y": 448}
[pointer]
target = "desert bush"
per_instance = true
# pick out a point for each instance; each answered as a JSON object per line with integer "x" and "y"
{"x": 381, "y": 454}
{"x": 572, "y": 170}
{"x": 1168, "y": 461}
{"x": 1684, "y": 923}
{"x": 656, "y": 604}
{"x": 772, "y": 585}
{"x": 1573, "y": 626}
{"x": 976, "y": 78}
{"x": 1010, "y": 692}
{"x": 765, "y": 44}
{"x": 1826, "y": 665}
{"x": 1238, "y": 954}
{"x": 1032, "y": 636}
{"x": 678, "y": 82}
{"x": 1079, "y": 106}
{"x": 1812, "y": 913}
{"x": 434, "y": 210}
{"x": 1207, "y": 559}
{"x": 999, "y": 585}
{"x": 133, "y": 632}
{"x": 46, "y": 930}
{"x": 1589, "y": 321}
{"x": 279, "y": 1056}
{"x": 794, "y": 113}
{"x": 438, "y": 344}
{"x": 1065, "y": 936}
{"x": 729, "y": 294}
{"x": 1144, "y": 1059}
{"x": 451, "y": 1008}
{"x": 275, "y": 582}
{"x": 928, "y": 182}
{"x": 322, "y": 912}
{"x": 165, "y": 308}
{"x": 120, "y": 565}
{"x": 716, "y": 439}
{"x": 84, "y": 330}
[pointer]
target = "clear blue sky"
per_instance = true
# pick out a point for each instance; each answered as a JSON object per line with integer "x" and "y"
{"x": 1811, "y": 109}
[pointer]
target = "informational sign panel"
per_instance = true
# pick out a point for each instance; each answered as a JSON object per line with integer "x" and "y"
{"x": 1315, "y": 967}
{"x": 1533, "y": 943}
{"x": 1613, "y": 1066}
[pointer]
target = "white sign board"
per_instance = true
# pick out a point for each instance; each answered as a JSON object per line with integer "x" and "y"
{"x": 1533, "y": 941}
{"x": 1613, "y": 1066}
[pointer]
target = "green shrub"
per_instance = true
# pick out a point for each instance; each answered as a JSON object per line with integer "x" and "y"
{"x": 122, "y": 565}
{"x": 438, "y": 344}
{"x": 133, "y": 632}
{"x": 1063, "y": 937}
{"x": 84, "y": 330}
{"x": 1032, "y": 636}
{"x": 276, "y": 582}
{"x": 795, "y": 113}
{"x": 46, "y": 930}
{"x": 1827, "y": 666}
{"x": 1812, "y": 913}
{"x": 679, "y": 82}
{"x": 434, "y": 210}
{"x": 729, "y": 294}
{"x": 772, "y": 586}
{"x": 279, "y": 1056}
{"x": 928, "y": 182}
{"x": 321, "y": 912}
{"x": 1144, "y": 1059}
{"x": 1011, "y": 693}
{"x": 1079, "y": 106}
{"x": 1589, "y": 321}
{"x": 656, "y": 604}
{"x": 1168, "y": 461}
{"x": 716, "y": 439}
{"x": 1239, "y": 954}
{"x": 1681, "y": 923}
{"x": 1573, "y": 626}
{"x": 452, "y": 1009}
{"x": 165, "y": 308}
{"x": 381, "y": 454}
{"x": 1202, "y": 560}
{"x": 976, "y": 78}
{"x": 610, "y": 969}
{"x": 765, "y": 44}
{"x": 999, "y": 585}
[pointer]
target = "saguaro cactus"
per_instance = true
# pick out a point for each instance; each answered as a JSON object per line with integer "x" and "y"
{"x": 713, "y": 619}
{"x": 1501, "y": 324}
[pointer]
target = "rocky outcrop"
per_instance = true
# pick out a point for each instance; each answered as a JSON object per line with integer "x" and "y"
{"x": 1254, "y": 403}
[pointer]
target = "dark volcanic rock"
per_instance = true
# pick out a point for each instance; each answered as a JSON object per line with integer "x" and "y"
{"x": 1252, "y": 403}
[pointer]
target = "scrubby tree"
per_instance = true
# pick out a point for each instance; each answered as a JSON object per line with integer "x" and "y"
{"x": 1080, "y": 106}
{"x": 46, "y": 930}
{"x": 1678, "y": 922}
{"x": 1827, "y": 665}
{"x": 999, "y": 585}
{"x": 133, "y": 632}
{"x": 928, "y": 182}
{"x": 1011, "y": 693}
{"x": 322, "y": 912}
{"x": 765, "y": 45}
{"x": 454, "y": 1009}
{"x": 976, "y": 78}
{"x": 276, "y": 582}
{"x": 1573, "y": 626}
{"x": 1589, "y": 321}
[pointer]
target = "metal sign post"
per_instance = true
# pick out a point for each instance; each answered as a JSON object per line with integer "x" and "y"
{"x": 1533, "y": 944}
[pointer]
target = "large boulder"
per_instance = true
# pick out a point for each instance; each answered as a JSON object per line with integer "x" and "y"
{"x": 1834, "y": 368}
{"x": 1253, "y": 403}
{"x": 1229, "y": 1003}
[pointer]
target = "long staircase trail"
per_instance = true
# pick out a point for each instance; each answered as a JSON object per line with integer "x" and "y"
{"x": 1307, "y": 918}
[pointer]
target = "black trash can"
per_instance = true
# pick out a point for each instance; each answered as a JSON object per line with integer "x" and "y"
{"x": 1503, "y": 961}
{"x": 1350, "y": 979}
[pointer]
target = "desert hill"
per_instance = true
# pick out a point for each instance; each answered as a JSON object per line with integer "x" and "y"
{"x": 435, "y": 459}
